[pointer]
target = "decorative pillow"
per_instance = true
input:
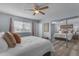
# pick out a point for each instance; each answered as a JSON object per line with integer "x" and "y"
{"x": 17, "y": 37}
{"x": 3, "y": 45}
{"x": 9, "y": 38}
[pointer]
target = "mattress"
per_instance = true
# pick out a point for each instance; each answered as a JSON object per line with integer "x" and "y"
{"x": 30, "y": 46}
{"x": 63, "y": 35}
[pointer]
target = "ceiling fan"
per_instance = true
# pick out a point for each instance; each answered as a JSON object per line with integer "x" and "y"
{"x": 38, "y": 9}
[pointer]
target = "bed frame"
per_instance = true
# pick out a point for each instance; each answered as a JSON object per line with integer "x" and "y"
{"x": 66, "y": 28}
{"x": 63, "y": 39}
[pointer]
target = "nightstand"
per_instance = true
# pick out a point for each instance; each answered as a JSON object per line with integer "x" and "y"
{"x": 75, "y": 37}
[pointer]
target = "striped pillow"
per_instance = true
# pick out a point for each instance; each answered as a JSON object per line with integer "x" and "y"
{"x": 9, "y": 38}
{"x": 17, "y": 37}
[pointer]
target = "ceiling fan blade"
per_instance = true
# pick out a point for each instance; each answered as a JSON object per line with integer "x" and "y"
{"x": 43, "y": 8}
{"x": 42, "y": 12}
{"x": 34, "y": 13}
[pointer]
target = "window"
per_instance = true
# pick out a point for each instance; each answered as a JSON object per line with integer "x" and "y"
{"x": 20, "y": 26}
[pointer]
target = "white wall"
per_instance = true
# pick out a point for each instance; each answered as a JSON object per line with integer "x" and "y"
{"x": 41, "y": 31}
{"x": 36, "y": 28}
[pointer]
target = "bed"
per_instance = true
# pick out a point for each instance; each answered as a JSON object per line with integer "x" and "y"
{"x": 30, "y": 46}
{"x": 63, "y": 36}
{"x": 65, "y": 32}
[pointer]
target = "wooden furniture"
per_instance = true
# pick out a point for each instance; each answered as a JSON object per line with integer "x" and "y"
{"x": 75, "y": 37}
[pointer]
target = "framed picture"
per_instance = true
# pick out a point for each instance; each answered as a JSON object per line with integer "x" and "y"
{"x": 46, "y": 27}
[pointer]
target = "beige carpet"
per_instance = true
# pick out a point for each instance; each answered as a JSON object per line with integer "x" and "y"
{"x": 61, "y": 49}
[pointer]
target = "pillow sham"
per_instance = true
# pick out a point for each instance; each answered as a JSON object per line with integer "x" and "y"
{"x": 17, "y": 37}
{"x": 9, "y": 38}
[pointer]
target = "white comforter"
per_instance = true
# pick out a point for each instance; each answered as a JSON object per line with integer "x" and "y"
{"x": 30, "y": 46}
{"x": 63, "y": 35}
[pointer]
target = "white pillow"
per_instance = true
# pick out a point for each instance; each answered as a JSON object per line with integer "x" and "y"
{"x": 3, "y": 44}
{"x": 60, "y": 32}
{"x": 1, "y": 34}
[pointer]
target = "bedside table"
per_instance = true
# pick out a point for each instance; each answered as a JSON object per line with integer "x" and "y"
{"x": 75, "y": 37}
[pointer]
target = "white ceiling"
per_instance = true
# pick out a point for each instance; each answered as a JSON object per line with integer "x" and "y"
{"x": 55, "y": 10}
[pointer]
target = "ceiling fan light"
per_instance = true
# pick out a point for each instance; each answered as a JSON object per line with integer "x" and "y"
{"x": 36, "y": 11}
